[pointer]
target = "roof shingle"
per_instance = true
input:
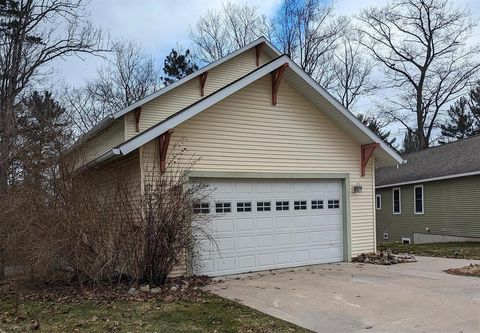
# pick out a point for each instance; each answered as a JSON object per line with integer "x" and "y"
{"x": 458, "y": 157}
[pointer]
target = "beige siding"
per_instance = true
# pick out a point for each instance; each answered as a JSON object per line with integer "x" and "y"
{"x": 189, "y": 92}
{"x": 112, "y": 136}
{"x": 246, "y": 133}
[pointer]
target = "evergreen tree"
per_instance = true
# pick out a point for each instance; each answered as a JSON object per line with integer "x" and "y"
{"x": 177, "y": 66}
{"x": 45, "y": 132}
{"x": 410, "y": 143}
{"x": 475, "y": 103}
{"x": 461, "y": 122}
{"x": 376, "y": 127}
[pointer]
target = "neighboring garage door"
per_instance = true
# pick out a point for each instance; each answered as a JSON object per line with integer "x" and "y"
{"x": 266, "y": 224}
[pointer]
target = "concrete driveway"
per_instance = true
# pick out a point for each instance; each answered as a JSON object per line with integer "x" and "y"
{"x": 349, "y": 297}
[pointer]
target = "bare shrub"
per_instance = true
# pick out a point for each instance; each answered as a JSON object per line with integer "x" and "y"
{"x": 98, "y": 227}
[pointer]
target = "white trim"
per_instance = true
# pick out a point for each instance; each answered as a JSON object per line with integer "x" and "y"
{"x": 415, "y": 200}
{"x": 399, "y": 200}
{"x": 425, "y": 180}
{"x": 378, "y": 207}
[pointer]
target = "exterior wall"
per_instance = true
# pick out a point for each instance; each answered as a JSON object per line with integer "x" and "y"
{"x": 451, "y": 207}
{"x": 246, "y": 133}
{"x": 188, "y": 93}
{"x": 109, "y": 138}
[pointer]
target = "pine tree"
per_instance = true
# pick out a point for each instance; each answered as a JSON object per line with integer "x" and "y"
{"x": 376, "y": 127}
{"x": 45, "y": 132}
{"x": 177, "y": 66}
{"x": 475, "y": 103}
{"x": 410, "y": 143}
{"x": 461, "y": 122}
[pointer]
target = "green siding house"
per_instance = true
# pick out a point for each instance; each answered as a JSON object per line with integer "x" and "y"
{"x": 433, "y": 197}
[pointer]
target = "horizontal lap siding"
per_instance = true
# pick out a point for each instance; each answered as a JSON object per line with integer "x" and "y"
{"x": 109, "y": 138}
{"x": 189, "y": 92}
{"x": 451, "y": 208}
{"x": 246, "y": 133}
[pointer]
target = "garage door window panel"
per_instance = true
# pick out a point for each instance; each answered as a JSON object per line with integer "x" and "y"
{"x": 333, "y": 204}
{"x": 282, "y": 205}
{"x": 317, "y": 204}
{"x": 300, "y": 205}
{"x": 201, "y": 208}
{"x": 264, "y": 206}
{"x": 223, "y": 207}
{"x": 244, "y": 207}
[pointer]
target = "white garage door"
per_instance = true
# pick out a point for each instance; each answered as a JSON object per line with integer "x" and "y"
{"x": 265, "y": 224}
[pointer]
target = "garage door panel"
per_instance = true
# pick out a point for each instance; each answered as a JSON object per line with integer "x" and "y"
{"x": 283, "y": 222}
{"x": 264, "y": 224}
{"x": 250, "y": 240}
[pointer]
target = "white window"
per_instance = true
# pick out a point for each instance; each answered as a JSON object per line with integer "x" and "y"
{"x": 317, "y": 204}
{"x": 282, "y": 205}
{"x": 418, "y": 199}
{"x": 300, "y": 205}
{"x": 397, "y": 200}
{"x": 378, "y": 201}
{"x": 263, "y": 206}
{"x": 333, "y": 204}
{"x": 201, "y": 208}
{"x": 244, "y": 206}
{"x": 223, "y": 207}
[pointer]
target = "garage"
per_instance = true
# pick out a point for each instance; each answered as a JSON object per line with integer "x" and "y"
{"x": 260, "y": 224}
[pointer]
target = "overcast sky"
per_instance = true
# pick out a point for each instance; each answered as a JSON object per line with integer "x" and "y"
{"x": 159, "y": 25}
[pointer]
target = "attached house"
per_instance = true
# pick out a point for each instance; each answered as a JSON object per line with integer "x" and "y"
{"x": 293, "y": 171}
{"x": 434, "y": 197}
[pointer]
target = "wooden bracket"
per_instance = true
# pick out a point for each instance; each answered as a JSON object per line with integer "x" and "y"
{"x": 367, "y": 152}
{"x": 163, "y": 142}
{"x": 203, "y": 79}
{"x": 137, "y": 112}
{"x": 258, "y": 50}
{"x": 276, "y": 79}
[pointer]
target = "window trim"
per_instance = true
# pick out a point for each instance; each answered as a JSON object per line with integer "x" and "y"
{"x": 399, "y": 201}
{"x": 378, "y": 204}
{"x": 415, "y": 200}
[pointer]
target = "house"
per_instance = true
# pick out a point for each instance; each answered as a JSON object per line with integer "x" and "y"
{"x": 434, "y": 197}
{"x": 293, "y": 170}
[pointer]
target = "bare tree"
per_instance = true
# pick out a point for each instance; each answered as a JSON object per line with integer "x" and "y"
{"x": 220, "y": 32}
{"x": 308, "y": 32}
{"x": 352, "y": 70}
{"x": 129, "y": 76}
{"x": 30, "y": 38}
{"x": 422, "y": 45}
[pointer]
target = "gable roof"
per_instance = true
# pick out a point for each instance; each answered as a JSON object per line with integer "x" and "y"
{"x": 452, "y": 160}
{"x": 271, "y": 50}
{"x": 297, "y": 78}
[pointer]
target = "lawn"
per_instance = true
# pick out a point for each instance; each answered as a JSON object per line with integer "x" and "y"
{"x": 465, "y": 250}
{"x": 211, "y": 314}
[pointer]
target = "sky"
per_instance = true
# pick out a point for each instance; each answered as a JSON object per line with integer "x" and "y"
{"x": 160, "y": 25}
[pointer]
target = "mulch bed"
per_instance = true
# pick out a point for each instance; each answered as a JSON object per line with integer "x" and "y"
{"x": 384, "y": 258}
{"x": 470, "y": 270}
{"x": 176, "y": 289}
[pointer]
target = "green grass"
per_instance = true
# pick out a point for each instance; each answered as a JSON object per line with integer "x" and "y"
{"x": 213, "y": 314}
{"x": 466, "y": 250}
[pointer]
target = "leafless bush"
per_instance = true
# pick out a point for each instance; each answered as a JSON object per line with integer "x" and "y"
{"x": 100, "y": 228}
